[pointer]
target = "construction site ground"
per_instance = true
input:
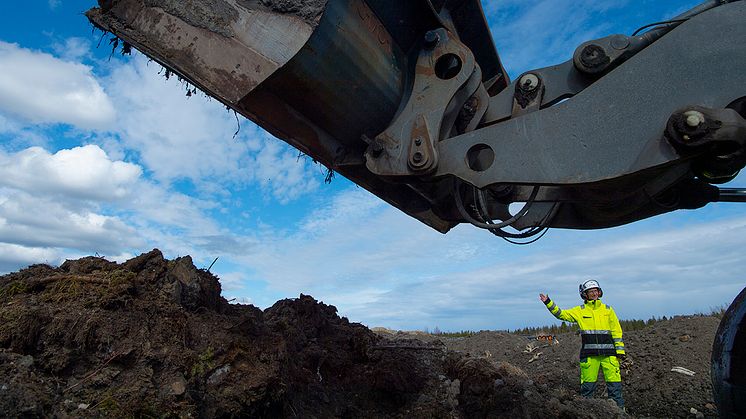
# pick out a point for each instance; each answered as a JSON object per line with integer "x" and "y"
{"x": 152, "y": 337}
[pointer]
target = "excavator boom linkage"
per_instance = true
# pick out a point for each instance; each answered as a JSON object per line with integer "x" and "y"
{"x": 410, "y": 101}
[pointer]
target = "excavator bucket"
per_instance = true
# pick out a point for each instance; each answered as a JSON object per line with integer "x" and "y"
{"x": 325, "y": 76}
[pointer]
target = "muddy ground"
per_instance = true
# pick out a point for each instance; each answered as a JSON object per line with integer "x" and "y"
{"x": 153, "y": 338}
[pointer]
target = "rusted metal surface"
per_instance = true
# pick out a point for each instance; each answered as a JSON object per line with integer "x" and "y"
{"x": 225, "y": 54}
{"x": 323, "y": 76}
{"x": 444, "y": 66}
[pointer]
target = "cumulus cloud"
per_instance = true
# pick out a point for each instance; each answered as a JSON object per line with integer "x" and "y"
{"x": 13, "y": 256}
{"x": 380, "y": 267}
{"x": 354, "y": 246}
{"x": 51, "y": 205}
{"x": 44, "y": 89}
{"x": 84, "y": 172}
{"x": 643, "y": 274}
{"x": 73, "y": 49}
{"x": 179, "y": 137}
{"x": 280, "y": 172}
{"x": 36, "y": 221}
{"x": 79, "y": 202}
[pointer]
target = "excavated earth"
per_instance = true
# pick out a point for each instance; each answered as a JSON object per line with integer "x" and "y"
{"x": 152, "y": 337}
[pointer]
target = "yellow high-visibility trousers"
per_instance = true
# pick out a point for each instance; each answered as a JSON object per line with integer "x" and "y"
{"x": 589, "y": 375}
{"x": 608, "y": 364}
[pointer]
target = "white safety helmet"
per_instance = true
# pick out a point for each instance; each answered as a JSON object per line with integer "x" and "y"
{"x": 591, "y": 283}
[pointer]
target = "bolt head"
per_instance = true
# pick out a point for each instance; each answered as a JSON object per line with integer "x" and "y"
{"x": 431, "y": 39}
{"x": 418, "y": 142}
{"x": 694, "y": 118}
{"x": 417, "y": 157}
{"x": 619, "y": 42}
{"x": 529, "y": 82}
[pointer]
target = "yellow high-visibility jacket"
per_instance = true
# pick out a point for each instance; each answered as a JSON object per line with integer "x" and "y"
{"x": 600, "y": 330}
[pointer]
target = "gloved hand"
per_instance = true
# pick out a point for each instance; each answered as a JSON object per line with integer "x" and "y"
{"x": 625, "y": 362}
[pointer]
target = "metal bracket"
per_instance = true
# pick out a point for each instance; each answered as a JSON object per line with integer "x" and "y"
{"x": 600, "y": 135}
{"x": 446, "y": 76}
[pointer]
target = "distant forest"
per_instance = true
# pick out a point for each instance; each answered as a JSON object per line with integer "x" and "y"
{"x": 564, "y": 327}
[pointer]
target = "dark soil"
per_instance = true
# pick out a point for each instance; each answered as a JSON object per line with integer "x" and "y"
{"x": 651, "y": 389}
{"x": 152, "y": 337}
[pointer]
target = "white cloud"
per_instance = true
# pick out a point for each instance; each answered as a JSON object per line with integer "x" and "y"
{"x": 179, "y": 137}
{"x": 38, "y": 221}
{"x": 12, "y": 256}
{"x": 668, "y": 271}
{"x": 278, "y": 169}
{"x": 381, "y": 267}
{"x": 43, "y": 89}
{"x": 357, "y": 245}
{"x": 73, "y": 49}
{"x": 80, "y": 202}
{"x": 232, "y": 283}
{"x": 14, "y": 135}
{"x": 83, "y": 172}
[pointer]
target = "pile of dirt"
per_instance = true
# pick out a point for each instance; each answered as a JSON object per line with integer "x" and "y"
{"x": 153, "y": 337}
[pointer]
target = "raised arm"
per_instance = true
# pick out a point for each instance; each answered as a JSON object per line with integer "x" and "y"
{"x": 565, "y": 315}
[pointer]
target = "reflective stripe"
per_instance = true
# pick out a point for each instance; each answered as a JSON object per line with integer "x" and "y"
{"x": 617, "y": 339}
{"x": 595, "y": 332}
{"x": 598, "y": 346}
{"x": 552, "y": 308}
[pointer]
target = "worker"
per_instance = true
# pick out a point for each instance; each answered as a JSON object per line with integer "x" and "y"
{"x": 602, "y": 345}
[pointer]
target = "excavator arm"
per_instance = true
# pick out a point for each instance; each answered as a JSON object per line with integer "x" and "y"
{"x": 409, "y": 100}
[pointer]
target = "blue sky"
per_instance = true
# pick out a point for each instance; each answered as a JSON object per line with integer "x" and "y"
{"x": 100, "y": 154}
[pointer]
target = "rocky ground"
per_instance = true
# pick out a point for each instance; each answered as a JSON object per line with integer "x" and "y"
{"x": 153, "y": 338}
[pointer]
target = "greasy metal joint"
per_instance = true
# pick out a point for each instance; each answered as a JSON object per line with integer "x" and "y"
{"x": 421, "y": 150}
{"x": 593, "y": 58}
{"x": 689, "y": 129}
{"x": 600, "y": 55}
{"x": 376, "y": 148}
{"x": 467, "y": 113}
{"x": 715, "y": 137}
{"x": 694, "y": 118}
{"x": 445, "y": 77}
{"x": 528, "y": 94}
{"x": 529, "y": 83}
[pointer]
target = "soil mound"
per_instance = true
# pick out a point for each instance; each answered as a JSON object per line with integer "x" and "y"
{"x": 153, "y": 337}
{"x": 651, "y": 388}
